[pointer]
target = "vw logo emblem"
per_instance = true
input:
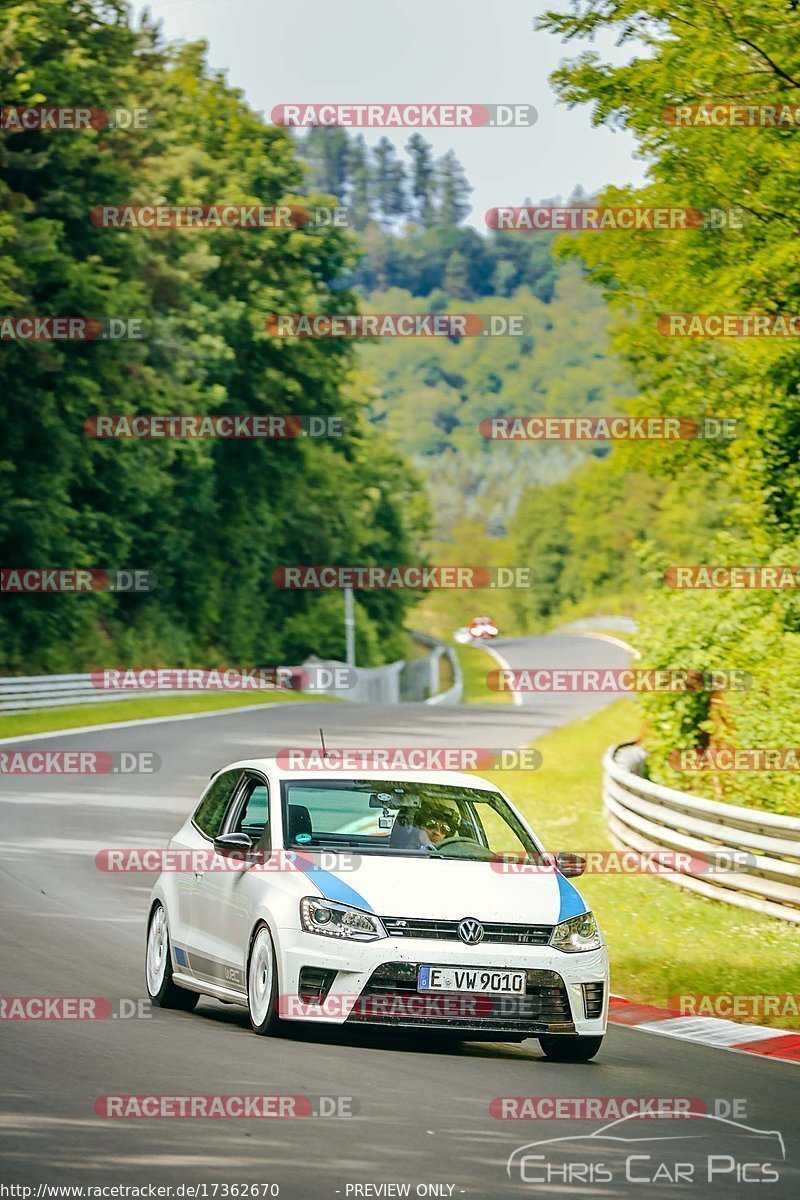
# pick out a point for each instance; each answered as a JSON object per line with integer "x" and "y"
{"x": 470, "y": 931}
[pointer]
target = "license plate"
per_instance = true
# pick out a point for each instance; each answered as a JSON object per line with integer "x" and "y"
{"x": 470, "y": 979}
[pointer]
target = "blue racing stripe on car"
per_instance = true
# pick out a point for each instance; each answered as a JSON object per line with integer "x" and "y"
{"x": 572, "y": 904}
{"x": 331, "y": 886}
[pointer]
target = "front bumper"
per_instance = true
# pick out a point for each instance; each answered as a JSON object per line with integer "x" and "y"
{"x": 375, "y": 983}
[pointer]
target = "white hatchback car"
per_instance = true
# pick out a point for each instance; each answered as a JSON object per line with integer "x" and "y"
{"x": 422, "y": 901}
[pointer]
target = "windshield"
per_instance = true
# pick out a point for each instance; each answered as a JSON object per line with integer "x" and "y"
{"x": 379, "y": 817}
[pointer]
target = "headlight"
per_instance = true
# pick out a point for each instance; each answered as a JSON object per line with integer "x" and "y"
{"x": 576, "y": 934}
{"x": 339, "y": 920}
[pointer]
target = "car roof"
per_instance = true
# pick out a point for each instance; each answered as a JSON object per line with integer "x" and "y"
{"x": 313, "y": 774}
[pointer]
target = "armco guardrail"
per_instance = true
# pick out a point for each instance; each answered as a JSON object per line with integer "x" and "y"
{"x": 440, "y": 650}
{"x": 407, "y": 680}
{"x": 22, "y": 693}
{"x": 647, "y": 816}
{"x": 19, "y": 693}
{"x": 413, "y": 680}
{"x": 373, "y": 685}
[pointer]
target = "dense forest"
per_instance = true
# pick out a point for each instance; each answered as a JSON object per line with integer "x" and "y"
{"x": 212, "y": 519}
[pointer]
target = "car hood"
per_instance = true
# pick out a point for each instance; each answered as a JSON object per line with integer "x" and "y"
{"x": 447, "y": 890}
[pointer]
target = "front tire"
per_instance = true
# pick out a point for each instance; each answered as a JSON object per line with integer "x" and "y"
{"x": 162, "y": 990}
{"x": 569, "y": 1049}
{"x": 262, "y": 984}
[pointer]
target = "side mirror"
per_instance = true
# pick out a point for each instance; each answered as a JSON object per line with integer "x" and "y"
{"x": 231, "y": 843}
{"x": 570, "y": 864}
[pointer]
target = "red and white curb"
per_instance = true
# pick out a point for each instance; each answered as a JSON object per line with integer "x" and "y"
{"x": 711, "y": 1031}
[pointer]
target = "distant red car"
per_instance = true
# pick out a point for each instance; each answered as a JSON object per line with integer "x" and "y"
{"x": 483, "y": 627}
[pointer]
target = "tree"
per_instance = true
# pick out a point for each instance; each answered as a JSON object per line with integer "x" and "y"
{"x": 389, "y": 178}
{"x": 423, "y": 181}
{"x": 453, "y": 188}
{"x": 326, "y": 148}
{"x": 359, "y": 197}
{"x": 455, "y": 282}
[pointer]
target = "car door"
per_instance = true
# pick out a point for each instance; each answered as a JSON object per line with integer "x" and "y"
{"x": 198, "y": 835}
{"x": 224, "y": 899}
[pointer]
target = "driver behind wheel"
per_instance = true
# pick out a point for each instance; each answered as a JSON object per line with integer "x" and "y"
{"x": 439, "y": 819}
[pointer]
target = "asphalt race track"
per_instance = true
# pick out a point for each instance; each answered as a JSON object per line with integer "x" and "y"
{"x": 423, "y": 1106}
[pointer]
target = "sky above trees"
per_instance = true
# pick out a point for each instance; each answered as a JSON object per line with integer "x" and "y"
{"x": 413, "y": 50}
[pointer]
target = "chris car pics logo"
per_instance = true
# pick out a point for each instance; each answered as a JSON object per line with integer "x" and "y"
{"x": 708, "y": 1156}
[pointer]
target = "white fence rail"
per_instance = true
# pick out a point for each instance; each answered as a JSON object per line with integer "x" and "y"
{"x": 22, "y": 692}
{"x": 415, "y": 680}
{"x": 440, "y": 650}
{"x": 762, "y": 847}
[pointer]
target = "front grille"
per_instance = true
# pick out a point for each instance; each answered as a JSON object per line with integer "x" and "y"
{"x": 314, "y": 984}
{"x": 593, "y": 1000}
{"x": 493, "y": 931}
{"x": 390, "y": 997}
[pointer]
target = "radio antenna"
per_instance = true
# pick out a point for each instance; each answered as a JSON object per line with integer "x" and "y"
{"x": 322, "y": 739}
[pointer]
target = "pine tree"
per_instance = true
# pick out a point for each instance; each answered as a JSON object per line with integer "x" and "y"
{"x": 453, "y": 188}
{"x": 326, "y": 150}
{"x": 389, "y": 179}
{"x": 423, "y": 181}
{"x": 360, "y": 191}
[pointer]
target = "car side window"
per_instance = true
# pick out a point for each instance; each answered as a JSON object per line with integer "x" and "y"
{"x": 253, "y": 816}
{"x": 212, "y": 808}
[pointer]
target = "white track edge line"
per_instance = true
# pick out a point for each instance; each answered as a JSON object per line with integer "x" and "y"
{"x": 516, "y": 698}
{"x": 612, "y": 641}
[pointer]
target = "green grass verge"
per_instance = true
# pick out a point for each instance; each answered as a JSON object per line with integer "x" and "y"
{"x": 71, "y": 716}
{"x": 475, "y": 665}
{"x": 663, "y": 940}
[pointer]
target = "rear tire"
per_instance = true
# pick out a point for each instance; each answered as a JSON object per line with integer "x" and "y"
{"x": 262, "y": 984}
{"x": 162, "y": 990}
{"x": 569, "y": 1049}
